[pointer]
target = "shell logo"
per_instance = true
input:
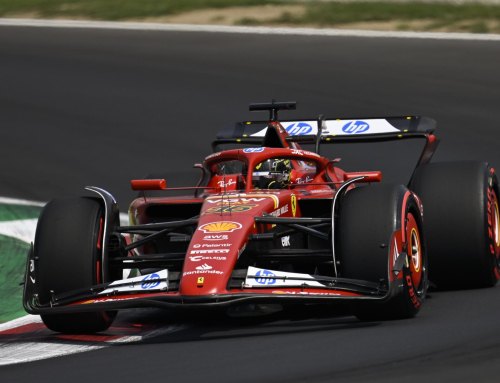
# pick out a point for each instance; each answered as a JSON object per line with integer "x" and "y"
{"x": 220, "y": 227}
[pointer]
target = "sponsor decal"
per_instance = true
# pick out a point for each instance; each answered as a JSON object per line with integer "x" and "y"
{"x": 312, "y": 154}
{"x": 281, "y": 210}
{"x": 108, "y": 300}
{"x": 265, "y": 280}
{"x": 301, "y": 181}
{"x": 242, "y": 250}
{"x": 230, "y": 209}
{"x": 258, "y": 277}
{"x": 213, "y": 251}
{"x": 299, "y": 152}
{"x": 212, "y": 156}
{"x": 32, "y": 269}
{"x": 220, "y": 227}
{"x": 355, "y": 127}
{"x": 150, "y": 281}
{"x": 413, "y": 297}
{"x": 228, "y": 183}
{"x": 203, "y": 272}
{"x": 293, "y": 202}
{"x": 204, "y": 267}
{"x": 298, "y": 128}
{"x": 140, "y": 283}
{"x": 335, "y": 127}
{"x": 238, "y": 197}
{"x": 492, "y": 215}
{"x": 285, "y": 241}
{"x": 253, "y": 150}
{"x": 302, "y": 293}
{"x": 201, "y": 280}
{"x": 320, "y": 191}
{"x": 197, "y": 246}
{"x": 198, "y": 258}
{"x": 237, "y": 201}
{"x": 215, "y": 237}
{"x": 395, "y": 252}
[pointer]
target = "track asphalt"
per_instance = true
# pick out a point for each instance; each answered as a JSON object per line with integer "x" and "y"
{"x": 101, "y": 107}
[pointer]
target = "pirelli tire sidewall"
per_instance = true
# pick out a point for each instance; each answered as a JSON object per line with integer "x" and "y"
{"x": 414, "y": 290}
{"x": 406, "y": 295}
{"x": 493, "y": 225}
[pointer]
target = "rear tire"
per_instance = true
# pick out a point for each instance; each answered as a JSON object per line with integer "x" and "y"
{"x": 68, "y": 244}
{"x": 370, "y": 222}
{"x": 462, "y": 218}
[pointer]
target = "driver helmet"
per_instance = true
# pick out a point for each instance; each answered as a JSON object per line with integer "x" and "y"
{"x": 277, "y": 169}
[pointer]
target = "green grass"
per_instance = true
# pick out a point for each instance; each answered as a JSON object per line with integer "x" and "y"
{"x": 117, "y": 9}
{"x": 14, "y": 212}
{"x": 13, "y": 253}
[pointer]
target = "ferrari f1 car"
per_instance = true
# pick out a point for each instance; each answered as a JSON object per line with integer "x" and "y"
{"x": 271, "y": 223}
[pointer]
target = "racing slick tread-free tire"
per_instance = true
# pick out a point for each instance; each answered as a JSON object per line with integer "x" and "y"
{"x": 368, "y": 221}
{"x": 461, "y": 217}
{"x": 68, "y": 243}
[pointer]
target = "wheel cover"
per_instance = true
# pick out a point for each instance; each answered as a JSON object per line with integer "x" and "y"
{"x": 414, "y": 250}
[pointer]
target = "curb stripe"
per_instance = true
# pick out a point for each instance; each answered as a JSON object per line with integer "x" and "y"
{"x": 124, "y": 25}
{"x": 26, "y": 339}
{"x": 15, "y": 201}
{"x": 23, "y": 229}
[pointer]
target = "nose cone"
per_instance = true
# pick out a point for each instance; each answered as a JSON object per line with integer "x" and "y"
{"x": 219, "y": 240}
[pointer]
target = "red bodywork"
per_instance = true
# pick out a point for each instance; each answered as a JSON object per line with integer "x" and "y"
{"x": 229, "y": 205}
{"x": 226, "y": 211}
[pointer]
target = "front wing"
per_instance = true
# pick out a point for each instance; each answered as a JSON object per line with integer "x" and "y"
{"x": 278, "y": 288}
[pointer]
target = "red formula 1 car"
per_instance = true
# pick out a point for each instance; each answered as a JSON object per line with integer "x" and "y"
{"x": 272, "y": 224}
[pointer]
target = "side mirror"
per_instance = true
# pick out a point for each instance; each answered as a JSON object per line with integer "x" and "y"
{"x": 148, "y": 184}
{"x": 370, "y": 176}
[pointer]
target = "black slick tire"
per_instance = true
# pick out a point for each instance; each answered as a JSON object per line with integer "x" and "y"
{"x": 461, "y": 217}
{"x": 68, "y": 246}
{"x": 369, "y": 223}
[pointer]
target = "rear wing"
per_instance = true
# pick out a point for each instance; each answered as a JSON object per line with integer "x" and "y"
{"x": 336, "y": 130}
{"x": 332, "y": 130}
{"x": 351, "y": 127}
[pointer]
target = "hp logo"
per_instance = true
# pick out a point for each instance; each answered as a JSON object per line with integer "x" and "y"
{"x": 148, "y": 284}
{"x": 253, "y": 150}
{"x": 355, "y": 127}
{"x": 299, "y": 129}
{"x": 265, "y": 281}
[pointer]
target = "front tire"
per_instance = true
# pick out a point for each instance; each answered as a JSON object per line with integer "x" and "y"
{"x": 68, "y": 243}
{"x": 377, "y": 223}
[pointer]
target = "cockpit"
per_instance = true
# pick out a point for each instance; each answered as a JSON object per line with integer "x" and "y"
{"x": 274, "y": 172}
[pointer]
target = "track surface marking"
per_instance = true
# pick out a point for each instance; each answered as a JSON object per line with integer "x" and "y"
{"x": 123, "y": 25}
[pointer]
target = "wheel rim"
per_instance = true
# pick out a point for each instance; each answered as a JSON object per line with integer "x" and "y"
{"x": 414, "y": 250}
